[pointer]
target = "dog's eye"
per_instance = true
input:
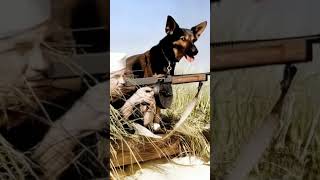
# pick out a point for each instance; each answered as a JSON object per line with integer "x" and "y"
{"x": 183, "y": 38}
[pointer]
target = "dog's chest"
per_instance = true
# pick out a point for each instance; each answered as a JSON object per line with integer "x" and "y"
{"x": 159, "y": 65}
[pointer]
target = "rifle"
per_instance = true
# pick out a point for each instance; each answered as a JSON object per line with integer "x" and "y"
{"x": 70, "y": 73}
{"x": 176, "y": 79}
{"x": 240, "y": 54}
{"x": 232, "y": 55}
{"x": 162, "y": 85}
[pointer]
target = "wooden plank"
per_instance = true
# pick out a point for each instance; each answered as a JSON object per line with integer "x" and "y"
{"x": 144, "y": 151}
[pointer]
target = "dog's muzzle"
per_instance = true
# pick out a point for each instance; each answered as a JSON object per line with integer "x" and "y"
{"x": 194, "y": 50}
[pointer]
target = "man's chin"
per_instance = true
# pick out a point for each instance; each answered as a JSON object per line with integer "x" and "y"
{"x": 35, "y": 84}
{"x": 116, "y": 92}
{"x": 127, "y": 89}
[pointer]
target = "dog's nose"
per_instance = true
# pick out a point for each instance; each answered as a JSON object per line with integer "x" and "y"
{"x": 194, "y": 50}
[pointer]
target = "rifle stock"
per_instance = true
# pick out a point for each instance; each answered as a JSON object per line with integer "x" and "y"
{"x": 231, "y": 55}
{"x": 189, "y": 78}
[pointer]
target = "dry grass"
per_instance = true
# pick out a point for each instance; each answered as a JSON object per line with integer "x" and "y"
{"x": 17, "y": 165}
{"x": 14, "y": 164}
{"x": 192, "y": 130}
{"x": 190, "y": 133}
{"x": 242, "y": 103}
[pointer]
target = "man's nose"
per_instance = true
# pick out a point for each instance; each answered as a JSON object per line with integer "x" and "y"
{"x": 121, "y": 80}
{"x": 37, "y": 62}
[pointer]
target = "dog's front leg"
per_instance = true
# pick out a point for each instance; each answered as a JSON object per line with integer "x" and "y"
{"x": 150, "y": 117}
{"x": 148, "y": 114}
{"x": 157, "y": 119}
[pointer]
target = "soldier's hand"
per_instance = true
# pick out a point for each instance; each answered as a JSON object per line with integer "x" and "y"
{"x": 143, "y": 95}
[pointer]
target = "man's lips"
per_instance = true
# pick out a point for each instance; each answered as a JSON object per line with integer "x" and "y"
{"x": 189, "y": 58}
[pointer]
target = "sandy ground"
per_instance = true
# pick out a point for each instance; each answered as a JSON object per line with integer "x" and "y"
{"x": 186, "y": 168}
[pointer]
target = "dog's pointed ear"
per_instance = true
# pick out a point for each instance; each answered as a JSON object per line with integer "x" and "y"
{"x": 198, "y": 29}
{"x": 171, "y": 25}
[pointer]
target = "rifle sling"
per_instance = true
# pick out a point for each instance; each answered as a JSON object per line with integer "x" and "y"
{"x": 185, "y": 113}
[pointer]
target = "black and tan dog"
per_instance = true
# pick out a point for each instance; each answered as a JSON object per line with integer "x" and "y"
{"x": 161, "y": 59}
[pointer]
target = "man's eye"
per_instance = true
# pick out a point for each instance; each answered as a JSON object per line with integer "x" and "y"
{"x": 114, "y": 76}
{"x": 183, "y": 38}
{"x": 23, "y": 47}
{"x": 131, "y": 76}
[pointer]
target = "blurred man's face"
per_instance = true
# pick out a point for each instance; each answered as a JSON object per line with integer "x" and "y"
{"x": 21, "y": 58}
{"x": 117, "y": 82}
